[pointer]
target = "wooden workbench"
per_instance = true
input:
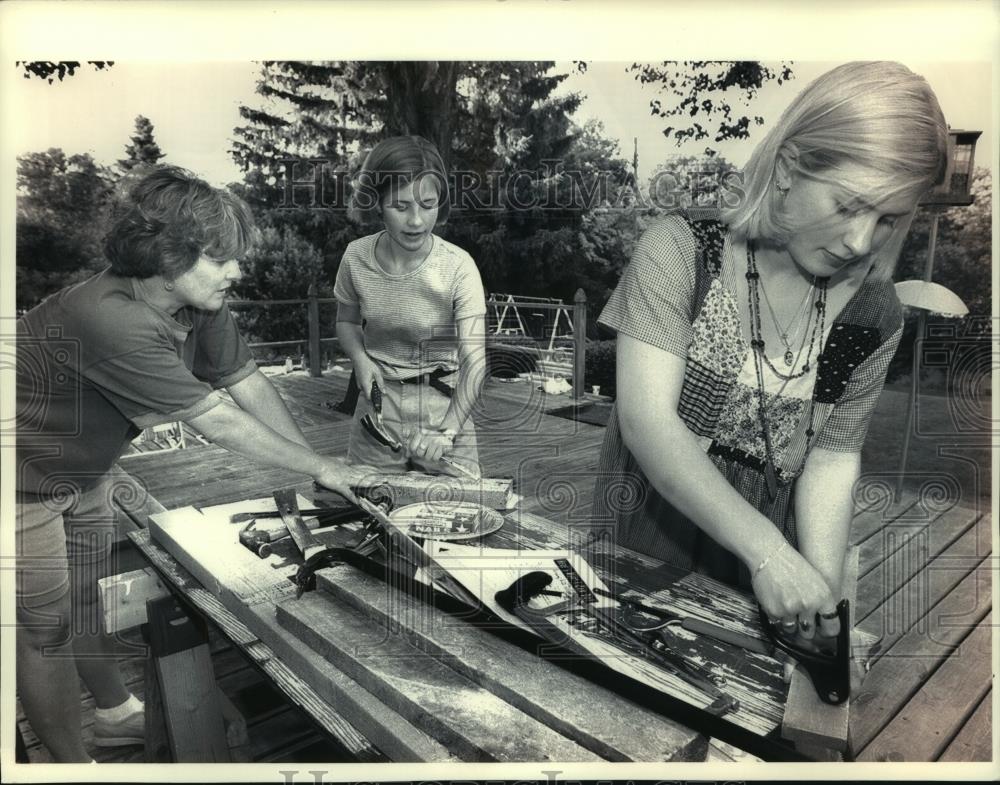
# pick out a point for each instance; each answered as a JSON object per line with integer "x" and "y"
{"x": 448, "y": 689}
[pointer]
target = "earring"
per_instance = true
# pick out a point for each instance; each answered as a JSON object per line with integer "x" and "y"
{"x": 168, "y": 286}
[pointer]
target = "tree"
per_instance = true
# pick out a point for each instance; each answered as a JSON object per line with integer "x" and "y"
{"x": 143, "y": 149}
{"x": 60, "y": 204}
{"x": 962, "y": 263}
{"x": 484, "y": 117}
{"x": 527, "y": 179}
{"x": 692, "y": 181}
{"x": 310, "y": 110}
{"x": 708, "y": 92}
{"x": 48, "y": 70}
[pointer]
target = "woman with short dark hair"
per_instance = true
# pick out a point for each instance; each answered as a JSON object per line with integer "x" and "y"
{"x": 147, "y": 341}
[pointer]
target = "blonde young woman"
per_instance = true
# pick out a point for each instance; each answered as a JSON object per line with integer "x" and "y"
{"x": 753, "y": 345}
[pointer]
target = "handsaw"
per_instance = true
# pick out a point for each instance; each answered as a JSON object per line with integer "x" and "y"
{"x": 418, "y": 557}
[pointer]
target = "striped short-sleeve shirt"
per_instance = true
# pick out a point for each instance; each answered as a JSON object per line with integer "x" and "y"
{"x": 409, "y": 320}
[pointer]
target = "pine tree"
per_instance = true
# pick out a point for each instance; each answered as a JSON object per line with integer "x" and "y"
{"x": 490, "y": 120}
{"x": 143, "y": 149}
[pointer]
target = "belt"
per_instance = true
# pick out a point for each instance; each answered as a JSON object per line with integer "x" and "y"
{"x": 433, "y": 379}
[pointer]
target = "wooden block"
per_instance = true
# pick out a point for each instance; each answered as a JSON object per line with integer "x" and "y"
{"x": 595, "y": 717}
{"x": 193, "y": 714}
{"x": 124, "y": 596}
{"x": 474, "y": 723}
{"x": 808, "y": 721}
{"x": 413, "y": 487}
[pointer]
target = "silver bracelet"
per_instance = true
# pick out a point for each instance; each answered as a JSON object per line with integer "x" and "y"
{"x": 768, "y": 558}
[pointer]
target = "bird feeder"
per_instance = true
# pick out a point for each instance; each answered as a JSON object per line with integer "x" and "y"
{"x": 955, "y": 189}
{"x": 925, "y": 295}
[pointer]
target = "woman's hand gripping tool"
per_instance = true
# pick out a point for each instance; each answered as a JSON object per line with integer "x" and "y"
{"x": 375, "y": 426}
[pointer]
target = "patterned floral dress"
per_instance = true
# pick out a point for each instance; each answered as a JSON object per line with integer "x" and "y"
{"x": 682, "y": 293}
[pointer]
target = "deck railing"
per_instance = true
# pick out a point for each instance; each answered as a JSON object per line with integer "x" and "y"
{"x": 312, "y": 344}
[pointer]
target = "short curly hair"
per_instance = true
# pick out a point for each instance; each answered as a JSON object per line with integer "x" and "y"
{"x": 166, "y": 218}
{"x": 393, "y": 163}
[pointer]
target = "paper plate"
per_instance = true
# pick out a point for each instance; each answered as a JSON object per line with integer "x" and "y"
{"x": 449, "y": 521}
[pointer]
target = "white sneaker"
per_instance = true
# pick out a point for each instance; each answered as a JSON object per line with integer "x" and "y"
{"x": 131, "y": 730}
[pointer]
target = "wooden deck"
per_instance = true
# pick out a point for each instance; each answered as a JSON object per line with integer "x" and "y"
{"x": 925, "y": 579}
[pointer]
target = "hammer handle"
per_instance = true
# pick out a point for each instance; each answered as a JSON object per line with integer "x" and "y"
{"x": 304, "y": 539}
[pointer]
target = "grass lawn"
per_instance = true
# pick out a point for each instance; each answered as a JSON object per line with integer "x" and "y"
{"x": 949, "y": 450}
{"x": 960, "y": 430}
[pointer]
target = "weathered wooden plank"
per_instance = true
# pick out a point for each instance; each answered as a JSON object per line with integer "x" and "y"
{"x": 941, "y": 704}
{"x": 808, "y": 721}
{"x": 974, "y": 741}
{"x": 891, "y": 559}
{"x": 473, "y": 722}
{"x": 898, "y": 674}
{"x": 753, "y": 678}
{"x": 896, "y": 607}
{"x": 411, "y": 488}
{"x": 596, "y": 718}
{"x": 123, "y": 598}
{"x": 248, "y": 587}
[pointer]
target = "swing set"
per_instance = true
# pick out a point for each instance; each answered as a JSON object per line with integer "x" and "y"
{"x": 505, "y": 319}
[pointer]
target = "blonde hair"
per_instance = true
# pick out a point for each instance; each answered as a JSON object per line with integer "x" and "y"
{"x": 877, "y": 115}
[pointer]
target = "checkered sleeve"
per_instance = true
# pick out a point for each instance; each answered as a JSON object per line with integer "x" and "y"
{"x": 846, "y": 427}
{"x": 653, "y": 302}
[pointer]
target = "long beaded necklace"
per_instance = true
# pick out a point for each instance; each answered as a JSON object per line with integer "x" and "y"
{"x": 759, "y": 354}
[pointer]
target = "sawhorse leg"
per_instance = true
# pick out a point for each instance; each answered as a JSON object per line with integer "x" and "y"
{"x": 184, "y": 721}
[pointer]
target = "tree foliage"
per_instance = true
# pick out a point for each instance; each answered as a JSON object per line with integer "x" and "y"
{"x": 60, "y": 205}
{"x": 488, "y": 119}
{"x": 50, "y": 71}
{"x": 708, "y": 98}
{"x": 142, "y": 149}
{"x": 962, "y": 262}
{"x": 692, "y": 181}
